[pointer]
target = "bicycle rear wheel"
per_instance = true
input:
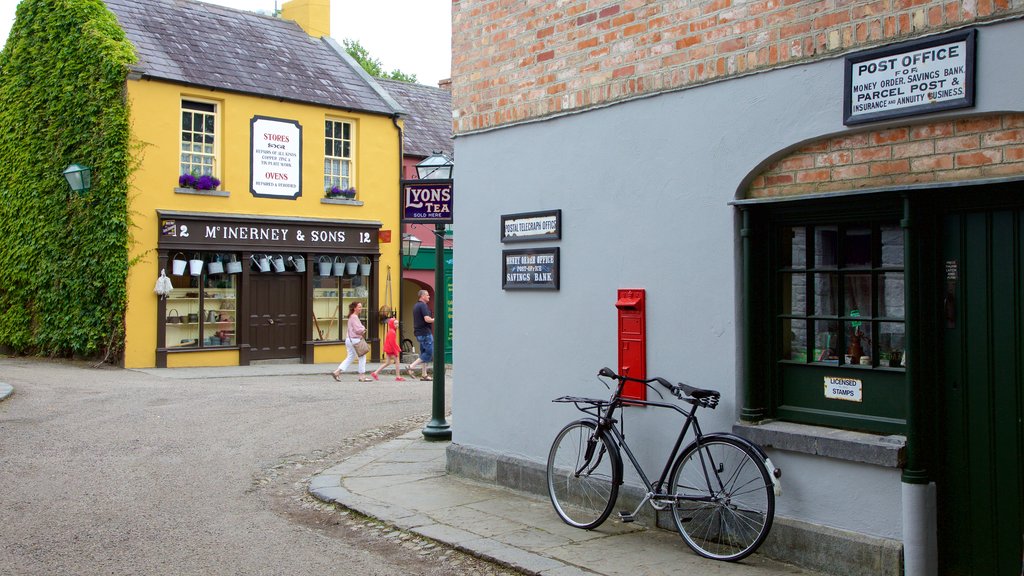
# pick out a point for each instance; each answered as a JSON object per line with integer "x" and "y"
{"x": 583, "y": 475}
{"x": 725, "y": 503}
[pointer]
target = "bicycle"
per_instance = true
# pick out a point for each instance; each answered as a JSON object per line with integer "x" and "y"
{"x": 721, "y": 488}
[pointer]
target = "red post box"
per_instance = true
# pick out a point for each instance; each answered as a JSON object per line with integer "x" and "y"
{"x": 633, "y": 340}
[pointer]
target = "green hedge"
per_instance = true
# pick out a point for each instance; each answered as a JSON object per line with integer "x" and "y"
{"x": 63, "y": 257}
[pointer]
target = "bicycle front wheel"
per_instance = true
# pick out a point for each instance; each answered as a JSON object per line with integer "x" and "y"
{"x": 724, "y": 502}
{"x": 583, "y": 475}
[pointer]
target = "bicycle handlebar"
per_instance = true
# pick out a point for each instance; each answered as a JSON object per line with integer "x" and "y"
{"x": 678, "y": 390}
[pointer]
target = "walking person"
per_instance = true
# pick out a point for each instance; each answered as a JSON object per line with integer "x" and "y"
{"x": 392, "y": 352}
{"x": 422, "y": 328}
{"x": 356, "y": 332}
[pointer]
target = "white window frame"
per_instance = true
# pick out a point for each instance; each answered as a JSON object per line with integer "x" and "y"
{"x": 336, "y": 166}
{"x": 200, "y": 158}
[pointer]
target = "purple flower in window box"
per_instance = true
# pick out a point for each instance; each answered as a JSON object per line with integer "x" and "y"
{"x": 187, "y": 181}
{"x": 338, "y": 192}
{"x": 207, "y": 182}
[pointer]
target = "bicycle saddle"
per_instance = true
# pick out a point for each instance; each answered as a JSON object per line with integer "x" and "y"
{"x": 699, "y": 393}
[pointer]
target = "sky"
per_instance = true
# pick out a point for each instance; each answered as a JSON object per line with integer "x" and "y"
{"x": 413, "y": 36}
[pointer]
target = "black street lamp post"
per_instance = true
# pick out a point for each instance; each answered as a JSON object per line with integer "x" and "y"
{"x": 438, "y": 167}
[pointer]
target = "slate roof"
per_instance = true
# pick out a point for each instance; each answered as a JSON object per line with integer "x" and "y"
{"x": 428, "y": 127}
{"x": 226, "y": 49}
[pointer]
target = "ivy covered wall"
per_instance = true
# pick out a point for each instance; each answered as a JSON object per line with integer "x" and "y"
{"x": 64, "y": 257}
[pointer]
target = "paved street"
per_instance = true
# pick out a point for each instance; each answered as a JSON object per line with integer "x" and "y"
{"x": 109, "y": 471}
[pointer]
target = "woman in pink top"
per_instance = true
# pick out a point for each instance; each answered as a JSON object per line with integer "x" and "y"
{"x": 356, "y": 331}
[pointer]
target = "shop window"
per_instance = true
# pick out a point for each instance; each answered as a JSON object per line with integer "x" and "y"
{"x": 338, "y": 155}
{"x": 201, "y": 310}
{"x": 338, "y": 282}
{"x": 198, "y": 138}
{"x": 838, "y": 316}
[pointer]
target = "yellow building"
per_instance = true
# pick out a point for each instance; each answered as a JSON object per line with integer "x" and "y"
{"x": 245, "y": 124}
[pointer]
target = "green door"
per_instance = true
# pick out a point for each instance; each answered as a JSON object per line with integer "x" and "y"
{"x": 980, "y": 477}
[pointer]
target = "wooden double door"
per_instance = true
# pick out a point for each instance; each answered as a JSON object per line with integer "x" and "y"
{"x": 980, "y": 436}
{"x": 275, "y": 316}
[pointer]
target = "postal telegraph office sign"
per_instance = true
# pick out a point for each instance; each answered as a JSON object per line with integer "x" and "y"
{"x": 911, "y": 78}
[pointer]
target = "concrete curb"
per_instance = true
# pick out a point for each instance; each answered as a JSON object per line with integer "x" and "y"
{"x": 5, "y": 391}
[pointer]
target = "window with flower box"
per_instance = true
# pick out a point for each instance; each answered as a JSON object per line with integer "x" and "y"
{"x": 198, "y": 139}
{"x": 338, "y": 157}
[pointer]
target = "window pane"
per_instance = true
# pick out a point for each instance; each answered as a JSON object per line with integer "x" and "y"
{"x": 794, "y": 294}
{"x": 826, "y": 294}
{"x": 826, "y": 339}
{"x": 186, "y": 120}
{"x": 857, "y": 294}
{"x": 890, "y": 344}
{"x": 892, "y": 246}
{"x": 857, "y": 247}
{"x": 858, "y": 343}
{"x": 346, "y": 149}
{"x": 327, "y": 129}
{"x": 890, "y": 295}
{"x": 825, "y": 246}
{"x": 197, "y": 122}
{"x": 794, "y": 340}
{"x": 794, "y": 247}
{"x": 337, "y": 148}
{"x": 346, "y": 131}
{"x": 209, "y": 124}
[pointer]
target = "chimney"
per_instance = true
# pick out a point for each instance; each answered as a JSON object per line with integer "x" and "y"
{"x": 314, "y": 16}
{"x": 445, "y": 83}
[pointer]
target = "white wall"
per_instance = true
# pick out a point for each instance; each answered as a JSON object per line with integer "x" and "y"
{"x": 644, "y": 190}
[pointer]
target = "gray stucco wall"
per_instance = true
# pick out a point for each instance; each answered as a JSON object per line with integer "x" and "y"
{"x": 644, "y": 188}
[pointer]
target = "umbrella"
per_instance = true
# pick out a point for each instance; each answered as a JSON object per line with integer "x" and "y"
{"x": 163, "y": 285}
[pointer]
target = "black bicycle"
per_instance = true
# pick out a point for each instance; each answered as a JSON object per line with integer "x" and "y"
{"x": 721, "y": 488}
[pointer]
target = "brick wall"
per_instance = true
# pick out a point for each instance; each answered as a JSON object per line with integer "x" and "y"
{"x": 982, "y": 147}
{"x": 515, "y": 60}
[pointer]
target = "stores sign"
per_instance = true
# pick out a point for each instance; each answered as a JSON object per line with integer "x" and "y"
{"x": 276, "y": 158}
{"x": 911, "y": 78}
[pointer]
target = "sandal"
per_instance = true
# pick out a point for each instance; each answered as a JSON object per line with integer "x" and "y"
{"x": 335, "y": 376}
{"x": 365, "y": 380}
{"x": 427, "y": 378}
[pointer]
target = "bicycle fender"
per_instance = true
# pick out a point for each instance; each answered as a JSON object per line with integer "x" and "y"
{"x": 774, "y": 473}
{"x": 610, "y": 441}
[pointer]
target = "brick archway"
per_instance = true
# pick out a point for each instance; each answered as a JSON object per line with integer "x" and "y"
{"x": 975, "y": 148}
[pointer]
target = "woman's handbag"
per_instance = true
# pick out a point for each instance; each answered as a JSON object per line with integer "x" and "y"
{"x": 362, "y": 348}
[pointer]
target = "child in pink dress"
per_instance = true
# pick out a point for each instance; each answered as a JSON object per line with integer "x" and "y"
{"x": 392, "y": 352}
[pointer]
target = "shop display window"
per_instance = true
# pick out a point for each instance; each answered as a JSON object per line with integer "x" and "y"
{"x": 333, "y": 294}
{"x": 848, "y": 308}
{"x": 202, "y": 311}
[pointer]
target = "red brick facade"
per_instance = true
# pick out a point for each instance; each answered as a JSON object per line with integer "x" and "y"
{"x": 516, "y": 60}
{"x": 969, "y": 149}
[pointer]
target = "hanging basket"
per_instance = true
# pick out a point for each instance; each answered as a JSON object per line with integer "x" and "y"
{"x": 324, "y": 264}
{"x": 234, "y": 266}
{"x": 339, "y": 266}
{"x": 215, "y": 267}
{"x": 195, "y": 265}
{"x": 178, "y": 264}
{"x": 350, "y": 265}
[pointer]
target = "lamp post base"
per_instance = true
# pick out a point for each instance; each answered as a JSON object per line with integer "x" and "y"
{"x": 437, "y": 429}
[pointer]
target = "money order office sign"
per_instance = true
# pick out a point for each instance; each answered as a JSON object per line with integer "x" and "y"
{"x": 911, "y": 78}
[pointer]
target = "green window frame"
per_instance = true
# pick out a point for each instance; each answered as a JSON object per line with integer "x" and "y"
{"x": 338, "y": 154}
{"x": 198, "y": 138}
{"x": 837, "y": 310}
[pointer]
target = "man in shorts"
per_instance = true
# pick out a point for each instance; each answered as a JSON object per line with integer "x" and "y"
{"x": 423, "y": 328}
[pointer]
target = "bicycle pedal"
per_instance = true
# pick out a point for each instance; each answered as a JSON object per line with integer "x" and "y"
{"x": 626, "y": 517}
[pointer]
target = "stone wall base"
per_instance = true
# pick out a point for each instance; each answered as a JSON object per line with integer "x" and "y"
{"x": 811, "y": 546}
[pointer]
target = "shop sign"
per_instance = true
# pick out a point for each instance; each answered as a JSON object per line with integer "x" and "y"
{"x": 911, "y": 78}
{"x": 427, "y": 201}
{"x": 837, "y": 388}
{"x": 275, "y": 170}
{"x": 535, "y": 269}
{"x": 531, "y": 226}
{"x": 186, "y": 231}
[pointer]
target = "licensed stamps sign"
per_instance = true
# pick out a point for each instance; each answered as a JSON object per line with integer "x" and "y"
{"x": 276, "y": 158}
{"x": 849, "y": 389}
{"x": 427, "y": 201}
{"x": 535, "y": 269}
{"x": 916, "y": 77}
